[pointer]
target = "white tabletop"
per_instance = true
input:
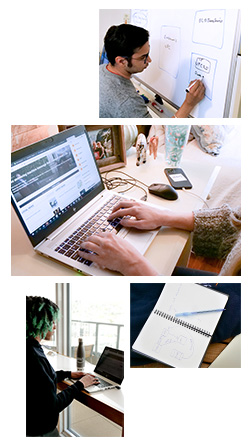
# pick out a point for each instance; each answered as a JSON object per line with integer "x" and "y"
{"x": 166, "y": 249}
{"x": 112, "y": 397}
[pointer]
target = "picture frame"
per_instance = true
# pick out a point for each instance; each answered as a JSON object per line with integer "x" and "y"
{"x": 108, "y": 144}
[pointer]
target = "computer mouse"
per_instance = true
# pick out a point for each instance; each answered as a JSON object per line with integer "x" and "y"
{"x": 163, "y": 191}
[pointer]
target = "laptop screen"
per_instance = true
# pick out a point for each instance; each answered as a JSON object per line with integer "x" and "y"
{"x": 111, "y": 365}
{"x": 52, "y": 179}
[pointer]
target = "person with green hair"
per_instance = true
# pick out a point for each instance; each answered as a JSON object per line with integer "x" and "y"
{"x": 43, "y": 404}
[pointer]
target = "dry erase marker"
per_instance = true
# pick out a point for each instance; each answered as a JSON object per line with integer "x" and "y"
{"x": 190, "y": 313}
{"x": 157, "y": 107}
{"x": 190, "y": 86}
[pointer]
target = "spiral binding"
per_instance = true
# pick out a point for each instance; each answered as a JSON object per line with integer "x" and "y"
{"x": 179, "y": 321}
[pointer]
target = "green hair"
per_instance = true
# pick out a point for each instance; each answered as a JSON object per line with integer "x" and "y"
{"x": 40, "y": 315}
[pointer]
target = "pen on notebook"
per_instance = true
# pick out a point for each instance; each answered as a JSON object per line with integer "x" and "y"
{"x": 190, "y": 313}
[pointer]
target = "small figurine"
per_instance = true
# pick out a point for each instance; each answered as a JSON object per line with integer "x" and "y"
{"x": 153, "y": 146}
{"x": 141, "y": 149}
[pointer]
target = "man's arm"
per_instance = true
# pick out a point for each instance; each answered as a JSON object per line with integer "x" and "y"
{"x": 193, "y": 97}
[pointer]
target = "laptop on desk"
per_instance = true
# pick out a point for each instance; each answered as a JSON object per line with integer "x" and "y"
{"x": 59, "y": 197}
{"x": 109, "y": 370}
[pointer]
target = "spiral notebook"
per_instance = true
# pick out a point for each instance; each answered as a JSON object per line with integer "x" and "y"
{"x": 181, "y": 342}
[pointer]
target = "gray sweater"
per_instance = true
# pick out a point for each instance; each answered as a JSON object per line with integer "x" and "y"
{"x": 217, "y": 234}
{"x": 118, "y": 97}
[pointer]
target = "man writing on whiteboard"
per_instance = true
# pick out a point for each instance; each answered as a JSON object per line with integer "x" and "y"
{"x": 127, "y": 48}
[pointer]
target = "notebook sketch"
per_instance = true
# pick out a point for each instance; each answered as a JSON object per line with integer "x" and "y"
{"x": 178, "y": 346}
{"x": 180, "y": 341}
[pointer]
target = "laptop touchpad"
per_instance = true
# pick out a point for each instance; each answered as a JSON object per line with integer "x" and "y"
{"x": 140, "y": 239}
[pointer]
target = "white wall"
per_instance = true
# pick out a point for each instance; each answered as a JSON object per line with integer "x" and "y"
{"x": 109, "y": 17}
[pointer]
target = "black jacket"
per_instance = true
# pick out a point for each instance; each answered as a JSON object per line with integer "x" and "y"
{"x": 43, "y": 404}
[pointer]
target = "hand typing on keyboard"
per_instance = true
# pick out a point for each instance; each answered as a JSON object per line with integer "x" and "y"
{"x": 89, "y": 380}
{"x": 97, "y": 222}
{"x": 143, "y": 217}
{"x": 115, "y": 253}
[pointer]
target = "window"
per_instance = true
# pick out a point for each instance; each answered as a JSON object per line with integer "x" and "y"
{"x": 92, "y": 312}
{"x": 97, "y": 319}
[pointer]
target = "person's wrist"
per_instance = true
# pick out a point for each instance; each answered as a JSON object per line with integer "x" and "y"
{"x": 183, "y": 220}
{"x": 139, "y": 266}
{"x": 159, "y": 219}
{"x": 184, "y": 110}
{"x": 167, "y": 218}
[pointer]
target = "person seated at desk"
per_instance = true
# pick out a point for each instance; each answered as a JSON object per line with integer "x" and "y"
{"x": 216, "y": 233}
{"x": 43, "y": 404}
{"x": 127, "y": 48}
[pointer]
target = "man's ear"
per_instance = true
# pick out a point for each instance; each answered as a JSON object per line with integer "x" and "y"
{"x": 120, "y": 61}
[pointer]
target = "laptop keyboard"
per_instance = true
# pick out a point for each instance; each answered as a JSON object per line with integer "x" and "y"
{"x": 102, "y": 383}
{"x": 96, "y": 223}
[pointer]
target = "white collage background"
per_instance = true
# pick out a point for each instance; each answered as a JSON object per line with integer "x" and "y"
{"x": 49, "y": 75}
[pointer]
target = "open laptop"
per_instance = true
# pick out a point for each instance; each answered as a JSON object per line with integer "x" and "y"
{"x": 109, "y": 370}
{"x": 56, "y": 189}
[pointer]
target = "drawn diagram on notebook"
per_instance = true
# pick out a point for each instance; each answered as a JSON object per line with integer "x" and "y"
{"x": 179, "y": 346}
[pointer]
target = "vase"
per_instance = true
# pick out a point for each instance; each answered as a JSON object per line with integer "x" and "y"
{"x": 130, "y": 135}
{"x": 176, "y": 137}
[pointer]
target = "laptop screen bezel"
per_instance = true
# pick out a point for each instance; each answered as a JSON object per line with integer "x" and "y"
{"x": 109, "y": 375}
{"x": 38, "y": 146}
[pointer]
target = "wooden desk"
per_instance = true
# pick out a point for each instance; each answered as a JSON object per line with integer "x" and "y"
{"x": 109, "y": 403}
{"x": 169, "y": 248}
{"x": 212, "y": 353}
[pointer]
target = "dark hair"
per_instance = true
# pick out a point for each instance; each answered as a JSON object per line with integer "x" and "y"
{"x": 123, "y": 40}
{"x": 40, "y": 315}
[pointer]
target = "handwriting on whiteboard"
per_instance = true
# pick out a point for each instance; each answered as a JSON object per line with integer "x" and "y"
{"x": 209, "y": 27}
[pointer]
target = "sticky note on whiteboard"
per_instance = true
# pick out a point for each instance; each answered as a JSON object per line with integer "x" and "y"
{"x": 203, "y": 67}
{"x": 209, "y": 27}
{"x": 170, "y": 45}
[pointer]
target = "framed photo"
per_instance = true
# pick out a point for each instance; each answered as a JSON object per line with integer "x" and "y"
{"x": 108, "y": 145}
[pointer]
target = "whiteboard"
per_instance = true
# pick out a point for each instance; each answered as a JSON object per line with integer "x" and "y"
{"x": 192, "y": 44}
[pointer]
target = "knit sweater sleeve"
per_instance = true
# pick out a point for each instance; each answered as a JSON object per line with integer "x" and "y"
{"x": 216, "y": 231}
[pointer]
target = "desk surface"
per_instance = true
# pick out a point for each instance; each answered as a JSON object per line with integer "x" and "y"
{"x": 165, "y": 251}
{"x": 212, "y": 355}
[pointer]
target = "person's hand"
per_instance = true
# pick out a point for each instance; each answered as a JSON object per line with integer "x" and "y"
{"x": 77, "y": 375}
{"x": 89, "y": 380}
{"x": 193, "y": 97}
{"x": 149, "y": 218}
{"x": 143, "y": 217}
{"x": 196, "y": 93}
{"x": 115, "y": 253}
